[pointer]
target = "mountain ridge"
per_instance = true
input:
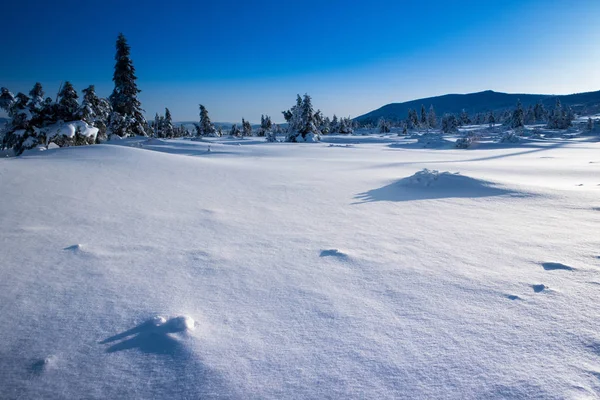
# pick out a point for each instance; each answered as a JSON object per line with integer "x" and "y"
{"x": 482, "y": 102}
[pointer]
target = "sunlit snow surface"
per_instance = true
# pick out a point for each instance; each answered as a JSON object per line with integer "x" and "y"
{"x": 359, "y": 267}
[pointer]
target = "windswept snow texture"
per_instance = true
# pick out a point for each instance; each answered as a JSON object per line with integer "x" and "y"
{"x": 157, "y": 269}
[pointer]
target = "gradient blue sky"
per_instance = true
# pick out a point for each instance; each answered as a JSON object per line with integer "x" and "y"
{"x": 247, "y": 58}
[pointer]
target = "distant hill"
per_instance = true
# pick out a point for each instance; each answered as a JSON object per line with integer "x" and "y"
{"x": 482, "y": 102}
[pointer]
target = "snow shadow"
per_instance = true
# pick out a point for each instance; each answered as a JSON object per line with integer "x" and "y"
{"x": 430, "y": 185}
{"x": 333, "y": 253}
{"x": 552, "y": 266}
{"x": 152, "y": 336}
{"x": 192, "y": 378}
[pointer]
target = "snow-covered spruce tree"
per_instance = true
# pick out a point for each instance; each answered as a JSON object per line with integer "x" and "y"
{"x": 19, "y": 134}
{"x": 423, "y": 120}
{"x": 167, "y": 128}
{"x": 412, "y": 119}
{"x": 235, "y": 131}
{"x": 95, "y": 111}
{"x": 326, "y": 129}
{"x": 449, "y": 123}
{"x": 383, "y": 125}
{"x": 246, "y": 128}
{"x": 6, "y": 99}
{"x": 36, "y": 103}
{"x": 539, "y": 113}
{"x": 127, "y": 118}
{"x": 529, "y": 116}
{"x": 205, "y": 127}
{"x": 335, "y": 125}
{"x": 301, "y": 121}
{"x": 432, "y": 118}
{"x": 67, "y": 103}
{"x": 404, "y": 129}
{"x": 155, "y": 125}
{"x": 517, "y": 120}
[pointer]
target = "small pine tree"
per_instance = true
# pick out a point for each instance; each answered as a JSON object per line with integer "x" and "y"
{"x": 6, "y": 99}
{"x": 464, "y": 118}
{"x": 246, "y": 128}
{"x": 413, "y": 119}
{"x": 590, "y": 124}
{"x": 423, "y": 117}
{"x": 235, "y": 131}
{"x": 335, "y": 125}
{"x": 205, "y": 128}
{"x": 167, "y": 127}
{"x": 432, "y": 118}
{"x": 491, "y": 119}
{"x": 518, "y": 117}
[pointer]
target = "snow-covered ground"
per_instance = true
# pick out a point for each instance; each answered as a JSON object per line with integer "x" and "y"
{"x": 343, "y": 269}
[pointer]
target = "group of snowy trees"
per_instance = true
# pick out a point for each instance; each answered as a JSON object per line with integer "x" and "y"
{"x": 37, "y": 121}
{"x": 162, "y": 127}
{"x": 558, "y": 118}
{"x": 307, "y": 125}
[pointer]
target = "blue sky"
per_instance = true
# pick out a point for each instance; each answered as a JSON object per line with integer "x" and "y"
{"x": 242, "y": 59}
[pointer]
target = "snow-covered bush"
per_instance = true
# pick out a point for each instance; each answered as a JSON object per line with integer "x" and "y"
{"x": 271, "y": 136}
{"x": 430, "y": 139}
{"x": 509, "y": 137}
{"x": 464, "y": 142}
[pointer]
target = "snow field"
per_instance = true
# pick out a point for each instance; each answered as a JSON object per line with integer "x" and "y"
{"x": 301, "y": 270}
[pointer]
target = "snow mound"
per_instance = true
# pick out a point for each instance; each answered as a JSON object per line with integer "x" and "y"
{"x": 154, "y": 142}
{"x": 432, "y": 184}
{"x": 160, "y": 324}
{"x": 430, "y": 139}
{"x": 429, "y": 178}
{"x": 180, "y": 324}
